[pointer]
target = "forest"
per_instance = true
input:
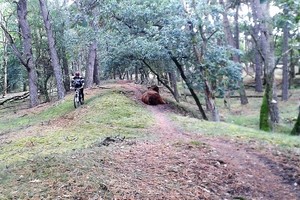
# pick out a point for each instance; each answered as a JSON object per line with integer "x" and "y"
{"x": 228, "y": 72}
{"x": 210, "y": 46}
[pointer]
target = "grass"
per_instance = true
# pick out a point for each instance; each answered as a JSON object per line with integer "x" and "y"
{"x": 242, "y": 121}
{"x": 106, "y": 114}
{"x": 231, "y": 130}
{"x": 11, "y": 123}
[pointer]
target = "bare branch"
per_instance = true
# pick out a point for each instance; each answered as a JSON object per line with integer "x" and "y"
{"x": 212, "y": 34}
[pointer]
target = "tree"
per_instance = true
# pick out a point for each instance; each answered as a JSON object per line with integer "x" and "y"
{"x": 285, "y": 69}
{"x": 5, "y": 58}
{"x": 234, "y": 43}
{"x": 25, "y": 57}
{"x": 86, "y": 25}
{"x": 52, "y": 49}
{"x": 89, "y": 76}
{"x": 269, "y": 109}
{"x": 160, "y": 32}
{"x": 257, "y": 55}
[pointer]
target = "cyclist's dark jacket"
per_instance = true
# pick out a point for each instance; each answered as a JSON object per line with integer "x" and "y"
{"x": 77, "y": 81}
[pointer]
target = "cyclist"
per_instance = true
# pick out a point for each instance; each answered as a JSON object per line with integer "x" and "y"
{"x": 78, "y": 82}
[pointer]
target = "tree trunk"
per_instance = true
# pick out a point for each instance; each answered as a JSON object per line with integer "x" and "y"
{"x": 53, "y": 53}
{"x": 199, "y": 53}
{"x": 292, "y": 69}
{"x": 296, "y": 129}
{"x": 234, "y": 42}
{"x": 210, "y": 102}
{"x": 27, "y": 60}
{"x": 243, "y": 95}
{"x": 173, "y": 82}
{"x": 194, "y": 95}
{"x": 160, "y": 81}
{"x": 5, "y": 58}
{"x": 261, "y": 10}
{"x": 258, "y": 72}
{"x": 257, "y": 57}
{"x": 96, "y": 78}
{"x": 136, "y": 74}
{"x": 65, "y": 69}
{"x": 264, "y": 113}
{"x": 285, "y": 69}
{"x": 89, "y": 75}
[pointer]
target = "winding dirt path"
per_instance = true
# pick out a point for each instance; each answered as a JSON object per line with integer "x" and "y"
{"x": 178, "y": 165}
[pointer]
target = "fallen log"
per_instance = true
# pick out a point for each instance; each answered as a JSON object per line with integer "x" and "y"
{"x": 15, "y": 98}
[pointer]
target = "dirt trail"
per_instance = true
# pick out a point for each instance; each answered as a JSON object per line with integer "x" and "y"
{"x": 252, "y": 172}
{"x": 181, "y": 165}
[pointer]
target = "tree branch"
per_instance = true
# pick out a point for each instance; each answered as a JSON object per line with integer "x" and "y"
{"x": 257, "y": 47}
{"x": 212, "y": 34}
{"x": 17, "y": 53}
{"x": 278, "y": 59}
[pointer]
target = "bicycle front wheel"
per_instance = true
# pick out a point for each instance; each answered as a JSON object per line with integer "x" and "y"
{"x": 76, "y": 101}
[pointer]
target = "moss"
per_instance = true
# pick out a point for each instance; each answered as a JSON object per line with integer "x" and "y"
{"x": 296, "y": 129}
{"x": 264, "y": 114}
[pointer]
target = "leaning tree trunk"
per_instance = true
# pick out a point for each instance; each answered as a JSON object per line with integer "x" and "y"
{"x": 53, "y": 53}
{"x": 185, "y": 79}
{"x": 89, "y": 76}
{"x": 296, "y": 129}
{"x": 161, "y": 81}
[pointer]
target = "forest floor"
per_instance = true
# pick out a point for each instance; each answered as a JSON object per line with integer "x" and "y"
{"x": 176, "y": 164}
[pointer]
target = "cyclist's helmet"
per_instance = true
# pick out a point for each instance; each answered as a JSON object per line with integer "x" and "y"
{"x": 77, "y": 73}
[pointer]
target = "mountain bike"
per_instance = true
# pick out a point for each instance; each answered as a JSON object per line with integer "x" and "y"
{"x": 77, "y": 98}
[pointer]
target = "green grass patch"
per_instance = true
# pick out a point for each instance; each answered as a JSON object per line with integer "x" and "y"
{"x": 110, "y": 113}
{"x": 231, "y": 130}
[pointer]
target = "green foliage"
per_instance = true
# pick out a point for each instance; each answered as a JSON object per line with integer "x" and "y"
{"x": 264, "y": 115}
{"x": 152, "y": 30}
